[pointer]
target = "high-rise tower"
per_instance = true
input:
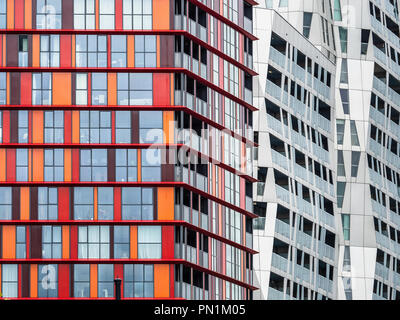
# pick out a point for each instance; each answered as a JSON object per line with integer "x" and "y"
{"x": 126, "y": 148}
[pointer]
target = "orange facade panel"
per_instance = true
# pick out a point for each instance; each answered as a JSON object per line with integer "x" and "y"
{"x": 35, "y": 50}
{"x": 131, "y": 51}
{"x": 24, "y": 203}
{"x": 65, "y": 242}
{"x": 8, "y": 233}
{"x": 168, "y": 126}
{"x": 161, "y": 281}
{"x": 2, "y": 164}
{"x": 37, "y": 167}
{"x": 38, "y": 125}
{"x": 28, "y": 14}
{"x": 61, "y": 88}
{"x": 160, "y": 15}
{"x": 10, "y": 14}
{"x": 133, "y": 242}
{"x": 93, "y": 281}
{"x": 67, "y": 165}
{"x": 112, "y": 89}
{"x": 34, "y": 280}
{"x": 165, "y": 203}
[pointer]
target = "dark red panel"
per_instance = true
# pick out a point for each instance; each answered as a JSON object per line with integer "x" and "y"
{"x": 25, "y": 280}
{"x": 15, "y": 80}
{"x": 34, "y": 203}
{"x": 111, "y": 164}
{"x": 36, "y": 242}
{"x": 167, "y": 242}
{"x": 67, "y": 14}
{"x": 12, "y": 50}
{"x": 14, "y": 126}
{"x": 16, "y": 203}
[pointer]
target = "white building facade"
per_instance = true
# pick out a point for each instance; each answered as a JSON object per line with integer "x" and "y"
{"x": 355, "y": 239}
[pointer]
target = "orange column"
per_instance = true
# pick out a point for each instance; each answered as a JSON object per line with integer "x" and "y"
{"x": 131, "y": 51}
{"x": 38, "y": 125}
{"x": 35, "y": 50}
{"x": 160, "y": 14}
{"x": 95, "y": 213}
{"x": 161, "y": 281}
{"x": 34, "y": 280}
{"x": 67, "y": 165}
{"x": 168, "y": 126}
{"x": 8, "y": 242}
{"x": 158, "y": 51}
{"x": 2, "y": 164}
{"x": 73, "y": 51}
{"x": 133, "y": 242}
{"x": 65, "y": 242}
{"x": 28, "y": 14}
{"x": 112, "y": 89}
{"x": 165, "y": 201}
{"x": 61, "y": 88}
{"x": 38, "y": 164}
{"x": 10, "y": 14}
{"x": 24, "y": 203}
{"x": 139, "y": 165}
{"x": 93, "y": 280}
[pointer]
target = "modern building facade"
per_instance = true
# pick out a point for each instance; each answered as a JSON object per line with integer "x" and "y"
{"x": 367, "y": 125}
{"x": 295, "y": 194}
{"x": 361, "y": 39}
{"x": 126, "y": 148}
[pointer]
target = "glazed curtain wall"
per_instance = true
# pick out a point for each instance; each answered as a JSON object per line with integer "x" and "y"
{"x": 86, "y": 88}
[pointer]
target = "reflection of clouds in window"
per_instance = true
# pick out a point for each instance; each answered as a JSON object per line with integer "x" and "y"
{"x": 150, "y": 126}
{"x": 81, "y": 281}
{"x": 118, "y": 51}
{"x": 83, "y": 203}
{"x": 99, "y": 88}
{"x": 135, "y": 89}
{"x": 151, "y": 164}
{"x": 105, "y": 203}
{"x": 84, "y": 14}
{"x": 93, "y": 165}
{"x": 48, "y": 14}
{"x": 137, "y": 204}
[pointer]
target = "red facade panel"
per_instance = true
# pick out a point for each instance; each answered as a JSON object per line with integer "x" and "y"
{"x": 168, "y": 242}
